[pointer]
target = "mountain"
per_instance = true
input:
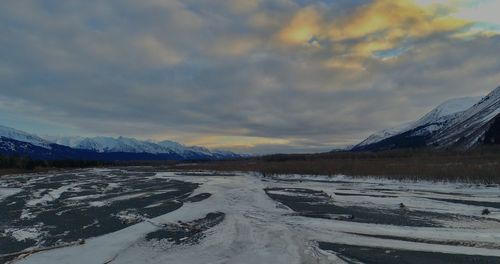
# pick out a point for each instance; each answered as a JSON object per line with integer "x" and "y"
{"x": 70, "y": 141}
{"x": 477, "y": 125}
{"x": 14, "y": 141}
{"x": 458, "y": 123}
{"x": 431, "y": 122}
{"x": 132, "y": 145}
{"x": 109, "y": 144}
{"x": 14, "y": 134}
{"x": 415, "y": 134}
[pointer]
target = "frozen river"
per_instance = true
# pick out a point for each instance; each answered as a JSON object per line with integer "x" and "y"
{"x": 143, "y": 216}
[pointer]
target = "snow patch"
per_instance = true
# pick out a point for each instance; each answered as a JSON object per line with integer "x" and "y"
{"x": 51, "y": 196}
{"x": 6, "y": 192}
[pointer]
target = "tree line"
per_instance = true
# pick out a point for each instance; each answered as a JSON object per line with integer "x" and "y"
{"x": 27, "y": 163}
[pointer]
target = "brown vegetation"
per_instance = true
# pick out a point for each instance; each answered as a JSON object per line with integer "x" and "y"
{"x": 478, "y": 166}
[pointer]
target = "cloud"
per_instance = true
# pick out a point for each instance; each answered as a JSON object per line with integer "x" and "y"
{"x": 236, "y": 142}
{"x": 158, "y": 51}
{"x": 482, "y": 11}
{"x": 378, "y": 26}
{"x": 257, "y": 76}
{"x": 304, "y": 25}
{"x": 235, "y": 45}
{"x": 393, "y": 21}
{"x": 243, "y": 5}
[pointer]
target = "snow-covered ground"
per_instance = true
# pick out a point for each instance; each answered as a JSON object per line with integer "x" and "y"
{"x": 286, "y": 219}
{"x": 6, "y": 192}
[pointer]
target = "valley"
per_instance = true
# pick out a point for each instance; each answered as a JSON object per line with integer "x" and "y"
{"x": 146, "y": 215}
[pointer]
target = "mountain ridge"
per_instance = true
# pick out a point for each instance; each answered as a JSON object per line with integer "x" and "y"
{"x": 429, "y": 121}
{"x": 17, "y": 142}
{"x": 461, "y": 123}
{"x": 470, "y": 128}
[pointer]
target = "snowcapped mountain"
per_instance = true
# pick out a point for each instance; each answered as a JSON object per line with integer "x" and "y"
{"x": 109, "y": 144}
{"x": 384, "y": 134}
{"x": 10, "y": 133}
{"x": 477, "y": 125}
{"x": 196, "y": 150}
{"x": 70, "y": 141}
{"x": 132, "y": 145}
{"x": 447, "y": 110}
{"x": 14, "y": 141}
{"x": 457, "y": 123}
{"x": 428, "y": 124}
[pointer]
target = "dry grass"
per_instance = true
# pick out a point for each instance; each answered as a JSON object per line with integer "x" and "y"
{"x": 480, "y": 166}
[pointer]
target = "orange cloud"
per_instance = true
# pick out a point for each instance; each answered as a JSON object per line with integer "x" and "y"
{"x": 305, "y": 25}
{"x": 220, "y": 141}
{"x": 345, "y": 62}
{"x": 379, "y": 26}
{"x": 395, "y": 20}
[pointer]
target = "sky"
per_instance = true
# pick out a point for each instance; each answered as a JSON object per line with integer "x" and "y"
{"x": 252, "y": 76}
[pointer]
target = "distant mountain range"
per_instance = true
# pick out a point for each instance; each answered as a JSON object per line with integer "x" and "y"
{"x": 13, "y": 141}
{"x": 459, "y": 124}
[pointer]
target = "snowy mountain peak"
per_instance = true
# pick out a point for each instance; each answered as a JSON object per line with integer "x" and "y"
{"x": 447, "y": 110}
{"x": 11, "y": 133}
{"x": 429, "y": 123}
{"x": 470, "y": 128}
{"x": 383, "y": 134}
{"x": 14, "y": 141}
{"x": 170, "y": 144}
{"x": 453, "y": 106}
{"x": 460, "y": 123}
{"x": 131, "y": 145}
{"x": 69, "y": 141}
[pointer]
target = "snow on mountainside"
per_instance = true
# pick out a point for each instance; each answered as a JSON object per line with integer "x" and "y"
{"x": 14, "y": 141}
{"x": 10, "y": 133}
{"x": 429, "y": 123}
{"x": 469, "y": 129}
{"x": 175, "y": 147}
{"x": 447, "y": 110}
{"x": 69, "y": 141}
{"x": 120, "y": 144}
{"x": 381, "y": 135}
{"x": 131, "y": 145}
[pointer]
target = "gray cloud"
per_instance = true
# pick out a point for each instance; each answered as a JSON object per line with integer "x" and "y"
{"x": 184, "y": 69}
